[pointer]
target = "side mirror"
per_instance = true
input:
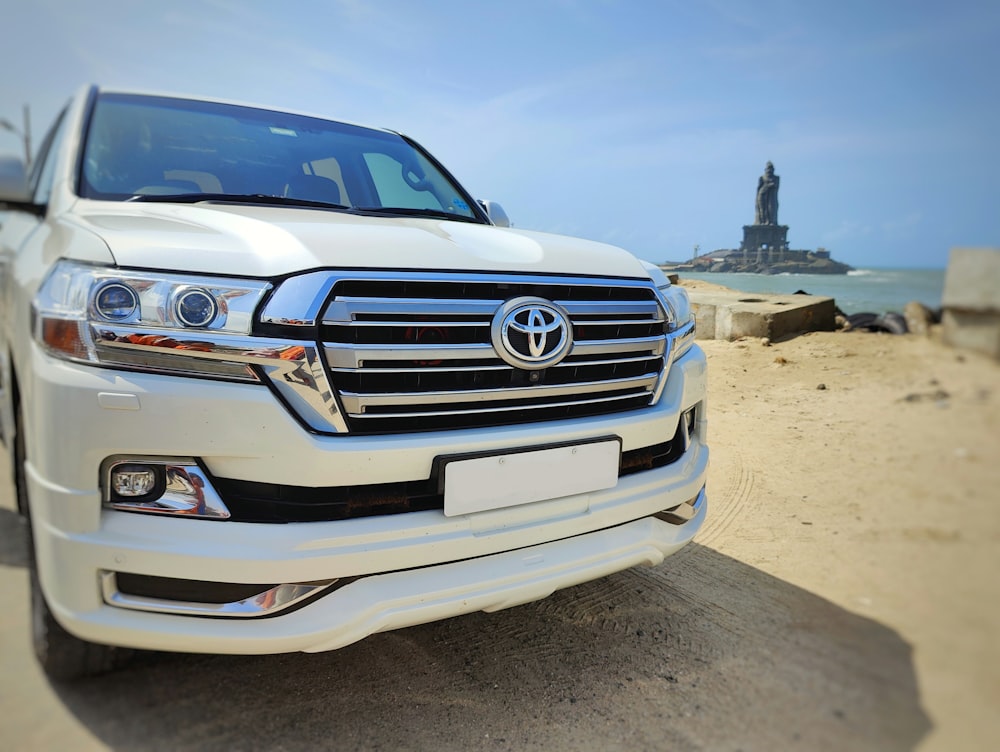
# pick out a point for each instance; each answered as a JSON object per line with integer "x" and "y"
{"x": 496, "y": 213}
{"x": 13, "y": 182}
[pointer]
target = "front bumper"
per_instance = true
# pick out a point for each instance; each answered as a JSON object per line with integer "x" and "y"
{"x": 401, "y": 569}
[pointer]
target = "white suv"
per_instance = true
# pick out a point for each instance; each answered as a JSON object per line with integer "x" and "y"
{"x": 273, "y": 383}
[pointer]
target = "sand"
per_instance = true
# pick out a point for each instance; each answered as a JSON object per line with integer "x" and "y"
{"x": 843, "y": 595}
{"x": 865, "y": 469}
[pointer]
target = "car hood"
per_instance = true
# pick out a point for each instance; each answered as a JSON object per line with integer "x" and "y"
{"x": 264, "y": 241}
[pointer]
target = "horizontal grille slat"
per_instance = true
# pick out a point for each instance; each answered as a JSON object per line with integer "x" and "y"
{"x": 352, "y": 357}
{"x": 568, "y": 363}
{"x": 502, "y": 408}
{"x": 346, "y": 309}
{"x": 421, "y": 369}
{"x": 650, "y": 310}
{"x": 654, "y": 345}
{"x": 402, "y": 347}
{"x": 512, "y": 416}
{"x": 357, "y": 403}
{"x": 373, "y": 323}
{"x": 341, "y": 356}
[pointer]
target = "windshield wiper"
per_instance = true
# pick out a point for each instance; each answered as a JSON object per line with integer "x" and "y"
{"x": 402, "y": 211}
{"x": 263, "y": 198}
{"x": 233, "y": 198}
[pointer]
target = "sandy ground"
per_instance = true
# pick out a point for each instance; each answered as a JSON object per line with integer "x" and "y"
{"x": 843, "y": 596}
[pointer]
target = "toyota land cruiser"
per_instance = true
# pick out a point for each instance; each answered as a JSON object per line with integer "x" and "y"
{"x": 274, "y": 383}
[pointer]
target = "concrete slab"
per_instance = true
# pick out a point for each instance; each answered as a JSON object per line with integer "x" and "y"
{"x": 731, "y": 314}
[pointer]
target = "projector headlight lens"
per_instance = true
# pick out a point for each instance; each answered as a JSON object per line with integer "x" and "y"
{"x": 116, "y": 301}
{"x": 196, "y": 308}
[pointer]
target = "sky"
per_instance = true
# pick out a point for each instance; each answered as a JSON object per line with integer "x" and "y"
{"x": 642, "y": 124}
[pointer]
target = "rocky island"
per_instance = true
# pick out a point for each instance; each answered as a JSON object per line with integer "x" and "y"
{"x": 779, "y": 262}
{"x": 764, "y": 249}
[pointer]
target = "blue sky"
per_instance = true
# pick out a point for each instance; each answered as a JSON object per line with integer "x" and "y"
{"x": 643, "y": 124}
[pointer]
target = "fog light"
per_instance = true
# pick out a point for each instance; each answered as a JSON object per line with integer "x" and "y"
{"x": 163, "y": 485}
{"x": 133, "y": 481}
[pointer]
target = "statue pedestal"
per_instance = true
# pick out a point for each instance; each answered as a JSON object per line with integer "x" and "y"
{"x": 759, "y": 240}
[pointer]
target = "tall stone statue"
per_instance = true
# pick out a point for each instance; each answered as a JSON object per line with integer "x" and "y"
{"x": 767, "y": 197}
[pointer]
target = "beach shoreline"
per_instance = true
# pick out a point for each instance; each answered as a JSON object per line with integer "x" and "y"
{"x": 863, "y": 290}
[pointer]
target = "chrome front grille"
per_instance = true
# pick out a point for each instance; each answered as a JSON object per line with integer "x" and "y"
{"x": 408, "y": 352}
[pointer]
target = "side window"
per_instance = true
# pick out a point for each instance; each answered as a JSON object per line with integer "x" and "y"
{"x": 42, "y": 172}
{"x": 399, "y": 186}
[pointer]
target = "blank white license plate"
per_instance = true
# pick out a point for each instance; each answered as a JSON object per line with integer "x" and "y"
{"x": 506, "y": 480}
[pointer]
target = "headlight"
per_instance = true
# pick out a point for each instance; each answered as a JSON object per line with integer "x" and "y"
{"x": 681, "y": 317}
{"x": 81, "y": 312}
{"x": 677, "y": 305}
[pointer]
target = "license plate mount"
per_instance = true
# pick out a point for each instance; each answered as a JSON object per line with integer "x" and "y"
{"x": 495, "y": 480}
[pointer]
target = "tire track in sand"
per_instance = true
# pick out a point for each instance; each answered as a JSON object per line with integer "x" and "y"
{"x": 737, "y": 480}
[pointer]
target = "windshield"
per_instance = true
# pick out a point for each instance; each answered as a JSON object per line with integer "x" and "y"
{"x": 157, "y": 148}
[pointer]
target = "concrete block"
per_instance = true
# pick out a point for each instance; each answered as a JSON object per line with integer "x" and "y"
{"x": 972, "y": 282}
{"x": 972, "y": 330}
{"x": 730, "y": 314}
{"x": 704, "y": 317}
{"x": 970, "y": 317}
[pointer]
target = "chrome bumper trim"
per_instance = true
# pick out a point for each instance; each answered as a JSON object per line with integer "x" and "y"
{"x": 682, "y": 513}
{"x": 292, "y": 367}
{"x": 269, "y": 602}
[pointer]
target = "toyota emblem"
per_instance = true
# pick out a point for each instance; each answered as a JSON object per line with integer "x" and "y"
{"x": 531, "y": 333}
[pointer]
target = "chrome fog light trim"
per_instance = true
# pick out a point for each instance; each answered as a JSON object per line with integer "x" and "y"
{"x": 265, "y": 603}
{"x": 689, "y": 420}
{"x": 682, "y": 513}
{"x": 184, "y": 488}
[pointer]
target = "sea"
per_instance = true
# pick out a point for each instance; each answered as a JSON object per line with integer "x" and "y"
{"x": 858, "y": 291}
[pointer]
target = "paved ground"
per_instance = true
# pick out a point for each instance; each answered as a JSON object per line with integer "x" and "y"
{"x": 839, "y": 599}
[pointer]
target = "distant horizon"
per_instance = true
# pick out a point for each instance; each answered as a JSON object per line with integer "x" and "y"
{"x": 855, "y": 266}
{"x": 877, "y": 290}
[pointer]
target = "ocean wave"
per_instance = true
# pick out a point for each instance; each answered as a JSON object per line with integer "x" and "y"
{"x": 860, "y": 272}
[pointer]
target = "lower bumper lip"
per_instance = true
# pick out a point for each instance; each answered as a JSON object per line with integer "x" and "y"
{"x": 270, "y": 600}
{"x": 395, "y": 600}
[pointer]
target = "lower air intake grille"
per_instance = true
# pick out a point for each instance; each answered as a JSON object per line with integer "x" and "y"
{"x": 250, "y": 501}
